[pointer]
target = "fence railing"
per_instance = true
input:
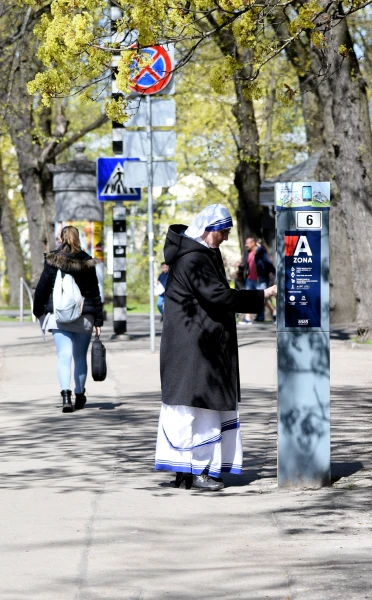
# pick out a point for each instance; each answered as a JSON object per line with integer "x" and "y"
{"x": 23, "y": 284}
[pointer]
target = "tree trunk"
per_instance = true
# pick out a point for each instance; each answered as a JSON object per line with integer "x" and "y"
{"x": 318, "y": 108}
{"x": 313, "y": 117}
{"x": 266, "y": 154}
{"x": 20, "y": 123}
{"x": 350, "y": 151}
{"x": 35, "y": 143}
{"x": 247, "y": 172}
{"x": 342, "y": 297}
{"x": 12, "y": 246}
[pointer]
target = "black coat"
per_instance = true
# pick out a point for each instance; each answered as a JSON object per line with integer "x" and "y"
{"x": 199, "y": 347}
{"x": 82, "y": 267}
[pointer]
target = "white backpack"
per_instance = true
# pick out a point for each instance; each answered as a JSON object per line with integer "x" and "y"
{"x": 67, "y": 299}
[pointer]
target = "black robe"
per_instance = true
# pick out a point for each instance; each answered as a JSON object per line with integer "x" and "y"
{"x": 199, "y": 347}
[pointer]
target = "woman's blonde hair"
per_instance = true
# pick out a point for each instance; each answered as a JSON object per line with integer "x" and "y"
{"x": 70, "y": 240}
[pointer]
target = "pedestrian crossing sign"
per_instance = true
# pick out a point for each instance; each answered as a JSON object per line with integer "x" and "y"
{"x": 110, "y": 180}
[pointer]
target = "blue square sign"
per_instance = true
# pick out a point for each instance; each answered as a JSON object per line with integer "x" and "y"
{"x": 110, "y": 180}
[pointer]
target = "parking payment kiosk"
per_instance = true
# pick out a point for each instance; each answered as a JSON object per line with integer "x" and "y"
{"x": 303, "y": 333}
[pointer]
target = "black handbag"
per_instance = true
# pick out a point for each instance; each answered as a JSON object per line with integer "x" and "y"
{"x": 99, "y": 366}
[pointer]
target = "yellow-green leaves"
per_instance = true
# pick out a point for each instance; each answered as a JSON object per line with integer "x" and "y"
{"x": 344, "y": 51}
{"x": 318, "y": 40}
{"x": 115, "y": 110}
{"x": 306, "y": 18}
{"x": 221, "y": 74}
{"x": 77, "y": 48}
{"x": 68, "y": 48}
{"x": 253, "y": 91}
{"x": 50, "y": 84}
{"x": 244, "y": 30}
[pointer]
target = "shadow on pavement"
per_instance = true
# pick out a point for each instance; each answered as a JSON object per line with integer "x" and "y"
{"x": 345, "y": 469}
{"x": 117, "y": 437}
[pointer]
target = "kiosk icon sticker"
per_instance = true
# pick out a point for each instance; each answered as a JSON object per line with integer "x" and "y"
{"x": 301, "y": 195}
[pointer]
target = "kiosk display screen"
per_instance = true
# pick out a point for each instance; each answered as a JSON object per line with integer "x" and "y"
{"x": 306, "y": 193}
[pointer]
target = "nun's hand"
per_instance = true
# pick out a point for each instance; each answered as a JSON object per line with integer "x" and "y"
{"x": 270, "y": 292}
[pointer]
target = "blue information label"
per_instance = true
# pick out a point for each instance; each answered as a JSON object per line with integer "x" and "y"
{"x": 302, "y": 278}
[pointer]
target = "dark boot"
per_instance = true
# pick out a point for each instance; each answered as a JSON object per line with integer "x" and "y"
{"x": 67, "y": 404}
{"x": 80, "y": 400}
{"x": 183, "y": 480}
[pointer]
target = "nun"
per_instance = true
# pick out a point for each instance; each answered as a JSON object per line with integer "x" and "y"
{"x": 199, "y": 431}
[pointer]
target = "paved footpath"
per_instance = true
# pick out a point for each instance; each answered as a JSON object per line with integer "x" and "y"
{"x": 84, "y": 517}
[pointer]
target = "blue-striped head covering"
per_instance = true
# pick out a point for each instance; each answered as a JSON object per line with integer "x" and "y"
{"x": 211, "y": 218}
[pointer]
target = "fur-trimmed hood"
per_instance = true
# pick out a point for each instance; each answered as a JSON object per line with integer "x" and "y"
{"x": 73, "y": 263}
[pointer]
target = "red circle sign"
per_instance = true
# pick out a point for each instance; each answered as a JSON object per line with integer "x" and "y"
{"x": 153, "y": 77}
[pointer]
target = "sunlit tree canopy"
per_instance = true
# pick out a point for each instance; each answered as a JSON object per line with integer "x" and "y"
{"x": 77, "y": 47}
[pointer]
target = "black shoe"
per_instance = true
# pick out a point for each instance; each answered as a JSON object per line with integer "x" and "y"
{"x": 80, "y": 400}
{"x": 67, "y": 404}
{"x": 259, "y": 319}
{"x": 183, "y": 480}
{"x": 205, "y": 482}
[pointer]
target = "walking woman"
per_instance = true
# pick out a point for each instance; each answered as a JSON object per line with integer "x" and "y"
{"x": 71, "y": 339}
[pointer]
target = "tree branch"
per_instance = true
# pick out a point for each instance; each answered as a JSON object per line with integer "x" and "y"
{"x": 76, "y": 136}
{"x": 28, "y": 21}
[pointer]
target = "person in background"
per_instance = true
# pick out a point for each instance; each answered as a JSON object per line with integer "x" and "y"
{"x": 258, "y": 268}
{"x": 160, "y": 287}
{"x": 71, "y": 339}
{"x": 270, "y": 303}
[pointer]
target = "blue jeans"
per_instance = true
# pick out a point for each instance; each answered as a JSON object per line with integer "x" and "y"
{"x": 250, "y": 284}
{"x": 72, "y": 345}
{"x": 160, "y": 304}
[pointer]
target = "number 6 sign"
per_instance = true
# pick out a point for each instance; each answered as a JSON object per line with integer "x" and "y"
{"x": 308, "y": 220}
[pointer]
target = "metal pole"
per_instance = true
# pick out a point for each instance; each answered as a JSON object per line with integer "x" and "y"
{"x": 21, "y": 300}
{"x": 30, "y": 299}
{"x": 150, "y": 223}
{"x": 22, "y": 284}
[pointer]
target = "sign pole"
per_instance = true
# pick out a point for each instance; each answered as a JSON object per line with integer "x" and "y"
{"x": 150, "y": 223}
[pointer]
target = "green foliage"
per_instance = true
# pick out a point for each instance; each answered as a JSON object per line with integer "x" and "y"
{"x": 245, "y": 30}
{"x": 77, "y": 51}
{"x": 138, "y": 278}
{"x": 206, "y": 133}
{"x": 222, "y": 72}
{"x": 360, "y": 25}
{"x": 253, "y": 91}
{"x": 279, "y": 108}
{"x": 306, "y": 18}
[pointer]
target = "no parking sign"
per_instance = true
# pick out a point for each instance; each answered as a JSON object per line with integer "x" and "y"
{"x": 154, "y": 77}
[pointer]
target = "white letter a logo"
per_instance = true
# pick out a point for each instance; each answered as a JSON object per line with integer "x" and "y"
{"x": 303, "y": 246}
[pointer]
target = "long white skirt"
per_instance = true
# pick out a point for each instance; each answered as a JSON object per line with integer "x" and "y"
{"x": 191, "y": 440}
